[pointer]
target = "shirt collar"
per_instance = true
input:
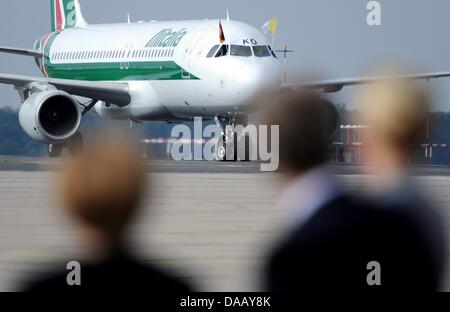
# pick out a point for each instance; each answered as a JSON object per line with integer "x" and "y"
{"x": 307, "y": 194}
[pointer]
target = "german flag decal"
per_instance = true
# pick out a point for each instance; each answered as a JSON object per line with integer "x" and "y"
{"x": 221, "y": 33}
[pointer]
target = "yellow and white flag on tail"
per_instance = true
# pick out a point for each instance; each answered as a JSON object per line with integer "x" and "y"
{"x": 270, "y": 27}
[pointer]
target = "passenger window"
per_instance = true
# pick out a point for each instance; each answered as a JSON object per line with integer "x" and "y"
{"x": 223, "y": 51}
{"x": 238, "y": 50}
{"x": 213, "y": 51}
{"x": 261, "y": 51}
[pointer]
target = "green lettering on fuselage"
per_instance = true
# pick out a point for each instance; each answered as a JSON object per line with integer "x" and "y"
{"x": 167, "y": 38}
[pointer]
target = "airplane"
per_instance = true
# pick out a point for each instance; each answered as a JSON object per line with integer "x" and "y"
{"x": 147, "y": 71}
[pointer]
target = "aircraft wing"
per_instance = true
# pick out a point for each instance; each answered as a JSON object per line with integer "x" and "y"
{"x": 34, "y": 53}
{"x": 111, "y": 92}
{"x": 330, "y": 86}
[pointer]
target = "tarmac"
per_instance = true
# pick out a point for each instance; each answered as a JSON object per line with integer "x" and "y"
{"x": 211, "y": 223}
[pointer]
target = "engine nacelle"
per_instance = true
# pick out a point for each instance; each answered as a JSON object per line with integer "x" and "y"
{"x": 50, "y": 116}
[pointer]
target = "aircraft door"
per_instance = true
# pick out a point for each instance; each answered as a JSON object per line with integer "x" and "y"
{"x": 125, "y": 62}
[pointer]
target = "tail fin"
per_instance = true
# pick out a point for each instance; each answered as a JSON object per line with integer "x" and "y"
{"x": 66, "y": 14}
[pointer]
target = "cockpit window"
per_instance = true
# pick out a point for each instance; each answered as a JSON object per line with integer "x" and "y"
{"x": 223, "y": 51}
{"x": 238, "y": 50}
{"x": 272, "y": 52}
{"x": 213, "y": 50}
{"x": 261, "y": 51}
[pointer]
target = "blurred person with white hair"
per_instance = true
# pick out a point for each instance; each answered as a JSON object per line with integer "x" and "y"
{"x": 395, "y": 112}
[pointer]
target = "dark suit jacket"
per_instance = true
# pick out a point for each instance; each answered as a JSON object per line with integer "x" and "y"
{"x": 120, "y": 272}
{"x": 332, "y": 250}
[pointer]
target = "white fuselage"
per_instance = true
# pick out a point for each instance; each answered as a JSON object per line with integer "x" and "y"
{"x": 167, "y": 67}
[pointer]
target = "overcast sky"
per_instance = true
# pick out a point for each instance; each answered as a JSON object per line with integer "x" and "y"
{"x": 329, "y": 36}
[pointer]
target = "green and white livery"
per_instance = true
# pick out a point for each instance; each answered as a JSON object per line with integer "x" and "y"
{"x": 146, "y": 71}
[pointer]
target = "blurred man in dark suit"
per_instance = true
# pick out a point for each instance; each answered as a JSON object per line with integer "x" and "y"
{"x": 102, "y": 189}
{"x": 333, "y": 242}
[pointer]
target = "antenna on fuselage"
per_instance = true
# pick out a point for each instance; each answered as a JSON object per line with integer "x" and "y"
{"x": 128, "y": 17}
{"x": 228, "y": 16}
{"x": 285, "y": 52}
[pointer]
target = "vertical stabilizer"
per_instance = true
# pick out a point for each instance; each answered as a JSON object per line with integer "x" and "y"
{"x": 66, "y": 14}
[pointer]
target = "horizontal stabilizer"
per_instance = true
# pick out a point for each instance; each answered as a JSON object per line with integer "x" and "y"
{"x": 27, "y": 52}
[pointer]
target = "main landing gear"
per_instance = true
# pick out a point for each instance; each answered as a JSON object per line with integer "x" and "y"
{"x": 74, "y": 145}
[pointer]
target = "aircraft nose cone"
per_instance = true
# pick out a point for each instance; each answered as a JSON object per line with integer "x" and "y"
{"x": 255, "y": 79}
{"x": 260, "y": 74}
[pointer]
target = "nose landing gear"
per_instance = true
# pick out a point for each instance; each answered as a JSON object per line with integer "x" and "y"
{"x": 227, "y": 147}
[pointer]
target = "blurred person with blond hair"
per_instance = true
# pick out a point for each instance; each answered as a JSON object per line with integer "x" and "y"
{"x": 395, "y": 111}
{"x": 101, "y": 189}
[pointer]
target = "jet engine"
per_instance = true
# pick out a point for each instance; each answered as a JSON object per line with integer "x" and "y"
{"x": 50, "y": 116}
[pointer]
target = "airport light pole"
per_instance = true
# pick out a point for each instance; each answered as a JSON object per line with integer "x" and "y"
{"x": 285, "y": 52}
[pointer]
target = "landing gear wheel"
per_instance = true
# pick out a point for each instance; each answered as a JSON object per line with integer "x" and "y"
{"x": 75, "y": 144}
{"x": 54, "y": 150}
{"x": 221, "y": 153}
